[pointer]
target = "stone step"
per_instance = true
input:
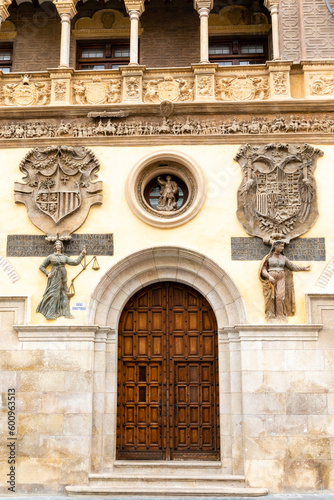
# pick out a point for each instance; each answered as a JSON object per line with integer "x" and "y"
{"x": 172, "y": 467}
{"x": 151, "y": 489}
{"x": 135, "y": 480}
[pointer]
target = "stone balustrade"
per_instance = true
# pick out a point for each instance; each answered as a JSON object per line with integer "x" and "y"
{"x": 277, "y": 80}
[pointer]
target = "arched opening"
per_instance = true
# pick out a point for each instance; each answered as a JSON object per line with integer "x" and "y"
{"x": 167, "y": 397}
{"x": 239, "y": 33}
{"x": 149, "y": 267}
{"x": 165, "y": 263}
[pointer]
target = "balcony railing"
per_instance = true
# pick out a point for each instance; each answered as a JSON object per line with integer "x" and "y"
{"x": 138, "y": 85}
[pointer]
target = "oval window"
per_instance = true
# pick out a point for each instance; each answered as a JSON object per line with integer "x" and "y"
{"x": 166, "y": 193}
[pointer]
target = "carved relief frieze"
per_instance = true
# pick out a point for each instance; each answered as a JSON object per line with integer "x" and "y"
{"x": 168, "y": 89}
{"x": 25, "y": 93}
{"x": 97, "y": 91}
{"x": 321, "y": 84}
{"x": 281, "y": 83}
{"x": 154, "y": 126}
{"x": 59, "y": 188}
{"x": 277, "y": 198}
{"x": 244, "y": 88}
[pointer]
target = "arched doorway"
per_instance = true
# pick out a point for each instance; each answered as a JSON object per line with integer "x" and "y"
{"x": 167, "y": 398}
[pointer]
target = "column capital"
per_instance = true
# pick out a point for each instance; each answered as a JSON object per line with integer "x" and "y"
{"x": 137, "y": 5}
{"x": 66, "y": 7}
{"x": 4, "y": 4}
{"x": 271, "y": 4}
{"x": 203, "y": 4}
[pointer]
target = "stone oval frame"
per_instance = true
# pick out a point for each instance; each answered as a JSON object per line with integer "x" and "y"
{"x": 141, "y": 173}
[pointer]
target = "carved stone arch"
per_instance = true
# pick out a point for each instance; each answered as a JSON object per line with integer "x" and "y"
{"x": 165, "y": 264}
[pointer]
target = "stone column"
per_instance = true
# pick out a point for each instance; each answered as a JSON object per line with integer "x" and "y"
{"x": 134, "y": 8}
{"x": 273, "y": 7}
{"x": 66, "y": 11}
{"x": 203, "y": 7}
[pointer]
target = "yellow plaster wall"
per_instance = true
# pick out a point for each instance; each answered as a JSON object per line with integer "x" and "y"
{"x": 209, "y": 232}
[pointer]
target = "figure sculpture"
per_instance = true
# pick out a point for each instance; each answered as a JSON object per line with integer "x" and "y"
{"x": 277, "y": 281}
{"x": 168, "y": 193}
{"x": 55, "y": 301}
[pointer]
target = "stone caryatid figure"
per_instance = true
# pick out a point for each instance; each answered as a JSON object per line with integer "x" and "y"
{"x": 277, "y": 281}
{"x": 168, "y": 194}
{"x": 55, "y": 301}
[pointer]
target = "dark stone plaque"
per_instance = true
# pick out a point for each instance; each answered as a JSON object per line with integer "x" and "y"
{"x": 307, "y": 249}
{"x": 25, "y": 245}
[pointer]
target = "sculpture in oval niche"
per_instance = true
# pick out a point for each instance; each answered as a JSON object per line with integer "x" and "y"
{"x": 277, "y": 282}
{"x": 168, "y": 194}
{"x": 55, "y": 301}
{"x": 277, "y": 198}
{"x": 59, "y": 188}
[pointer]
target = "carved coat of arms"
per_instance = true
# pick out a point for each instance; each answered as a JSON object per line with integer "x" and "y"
{"x": 277, "y": 198}
{"x": 59, "y": 188}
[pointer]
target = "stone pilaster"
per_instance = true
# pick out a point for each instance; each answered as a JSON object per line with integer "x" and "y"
{"x": 205, "y": 81}
{"x": 61, "y": 92}
{"x": 279, "y": 77}
{"x": 132, "y": 83}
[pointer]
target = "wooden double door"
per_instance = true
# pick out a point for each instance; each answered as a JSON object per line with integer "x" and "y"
{"x": 168, "y": 405}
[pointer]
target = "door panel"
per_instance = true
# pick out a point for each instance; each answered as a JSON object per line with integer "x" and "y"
{"x": 167, "y": 376}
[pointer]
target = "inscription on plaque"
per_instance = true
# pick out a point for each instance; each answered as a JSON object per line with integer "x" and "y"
{"x": 308, "y": 249}
{"x": 25, "y": 245}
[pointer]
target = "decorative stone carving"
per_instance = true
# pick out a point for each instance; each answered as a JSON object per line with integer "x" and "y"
{"x": 197, "y": 125}
{"x": 168, "y": 193}
{"x": 277, "y": 196}
{"x": 238, "y": 19}
{"x": 97, "y": 91}
{"x": 289, "y": 19}
{"x": 8, "y": 30}
{"x": 4, "y": 4}
{"x": 321, "y": 84}
{"x": 277, "y": 281}
{"x": 132, "y": 88}
{"x": 59, "y": 188}
{"x": 168, "y": 89}
{"x": 318, "y": 29}
{"x": 178, "y": 202}
{"x": 242, "y": 88}
{"x": 55, "y": 301}
{"x": 204, "y": 86}
{"x": 60, "y": 91}
{"x": 281, "y": 83}
{"x": 138, "y": 5}
{"x": 104, "y": 23}
{"x": 25, "y": 93}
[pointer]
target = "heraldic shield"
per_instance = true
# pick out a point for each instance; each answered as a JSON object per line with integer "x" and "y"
{"x": 59, "y": 188}
{"x": 277, "y": 198}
